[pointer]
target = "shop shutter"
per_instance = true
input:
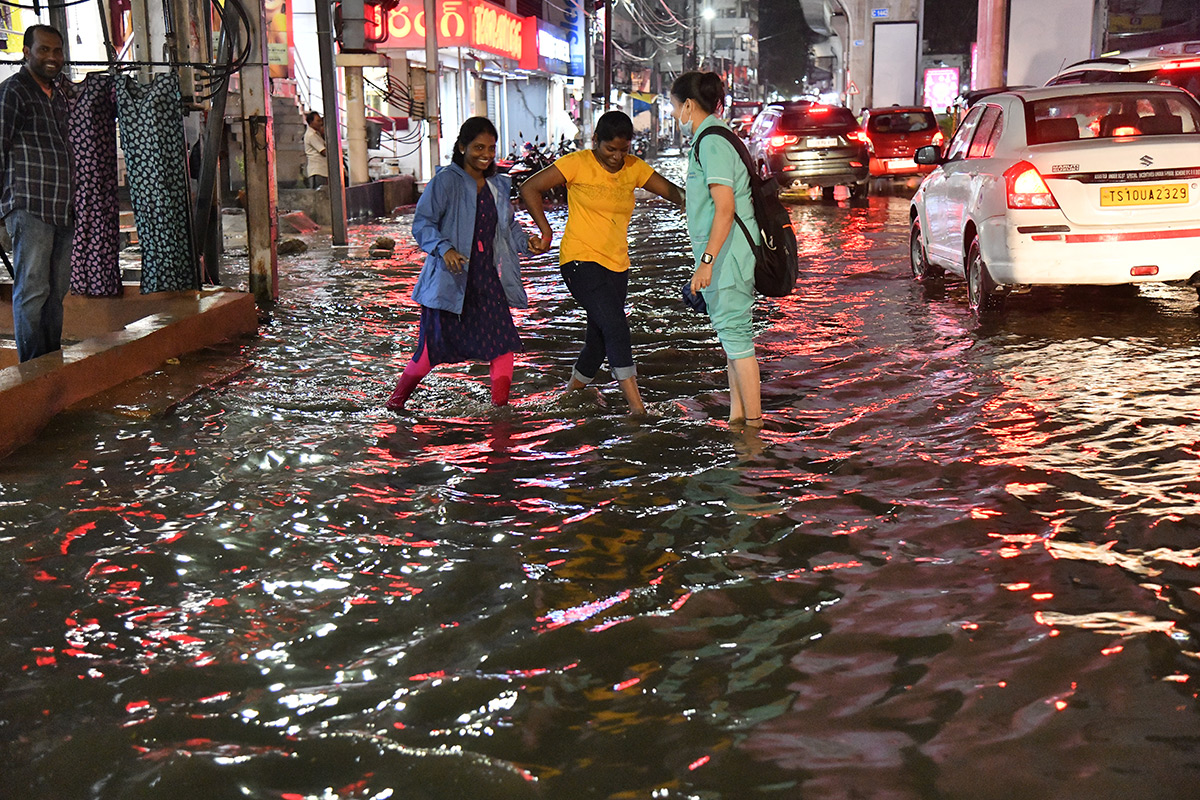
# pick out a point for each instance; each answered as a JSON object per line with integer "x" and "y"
{"x": 493, "y": 100}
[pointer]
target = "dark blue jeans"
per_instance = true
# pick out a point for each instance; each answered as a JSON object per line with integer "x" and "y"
{"x": 602, "y": 293}
{"x": 41, "y": 259}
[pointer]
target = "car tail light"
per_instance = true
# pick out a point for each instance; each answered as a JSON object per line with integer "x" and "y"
{"x": 1026, "y": 188}
{"x": 1143, "y": 272}
{"x": 818, "y": 110}
{"x": 783, "y": 141}
{"x": 938, "y": 139}
{"x": 1184, "y": 64}
{"x": 858, "y": 136}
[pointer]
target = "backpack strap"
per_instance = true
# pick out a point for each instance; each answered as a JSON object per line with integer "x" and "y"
{"x": 740, "y": 147}
{"x": 729, "y": 136}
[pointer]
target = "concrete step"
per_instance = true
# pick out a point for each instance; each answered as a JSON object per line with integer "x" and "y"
{"x": 158, "y": 393}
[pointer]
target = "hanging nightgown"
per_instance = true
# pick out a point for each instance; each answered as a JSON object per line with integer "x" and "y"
{"x": 151, "y": 117}
{"x": 95, "y": 251}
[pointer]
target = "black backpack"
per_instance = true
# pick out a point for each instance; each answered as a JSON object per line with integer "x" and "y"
{"x": 776, "y": 261}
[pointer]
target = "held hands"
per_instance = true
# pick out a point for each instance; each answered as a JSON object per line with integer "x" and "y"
{"x": 454, "y": 261}
{"x": 539, "y": 243}
{"x": 702, "y": 277}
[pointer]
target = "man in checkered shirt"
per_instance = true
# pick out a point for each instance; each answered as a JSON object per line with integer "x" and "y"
{"x": 35, "y": 191}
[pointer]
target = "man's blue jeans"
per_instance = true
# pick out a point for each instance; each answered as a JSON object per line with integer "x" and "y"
{"x": 42, "y": 262}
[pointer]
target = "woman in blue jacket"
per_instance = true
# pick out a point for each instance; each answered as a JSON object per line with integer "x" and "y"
{"x": 464, "y": 220}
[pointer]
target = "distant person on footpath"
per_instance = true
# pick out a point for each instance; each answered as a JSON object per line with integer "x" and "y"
{"x": 464, "y": 221}
{"x": 718, "y": 187}
{"x": 317, "y": 166}
{"x": 594, "y": 252}
{"x": 36, "y": 187}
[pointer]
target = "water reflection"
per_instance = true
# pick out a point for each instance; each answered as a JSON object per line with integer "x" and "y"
{"x": 960, "y": 560}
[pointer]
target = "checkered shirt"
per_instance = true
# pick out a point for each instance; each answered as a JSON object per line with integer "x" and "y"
{"x": 35, "y": 157}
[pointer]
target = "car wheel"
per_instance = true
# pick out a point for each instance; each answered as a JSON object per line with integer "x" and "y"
{"x": 827, "y": 193}
{"x": 982, "y": 296}
{"x": 859, "y": 191}
{"x": 922, "y": 270}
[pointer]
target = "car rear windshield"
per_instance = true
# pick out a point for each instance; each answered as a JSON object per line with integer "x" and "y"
{"x": 902, "y": 122}
{"x": 816, "y": 119}
{"x": 1102, "y": 116}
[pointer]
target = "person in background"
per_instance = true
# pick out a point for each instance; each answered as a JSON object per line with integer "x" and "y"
{"x": 36, "y": 187}
{"x": 464, "y": 221}
{"x": 594, "y": 252}
{"x": 316, "y": 166}
{"x": 718, "y": 187}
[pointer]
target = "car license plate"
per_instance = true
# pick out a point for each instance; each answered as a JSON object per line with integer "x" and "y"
{"x": 822, "y": 141}
{"x": 1166, "y": 194}
{"x": 897, "y": 164}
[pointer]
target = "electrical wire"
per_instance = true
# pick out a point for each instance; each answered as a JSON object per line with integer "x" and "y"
{"x": 40, "y": 6}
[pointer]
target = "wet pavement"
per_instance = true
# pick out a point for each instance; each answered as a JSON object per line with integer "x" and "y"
{"x": 959, "y": 562}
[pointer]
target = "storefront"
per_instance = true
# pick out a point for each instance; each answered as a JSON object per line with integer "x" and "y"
{"x": 514, "y": 70}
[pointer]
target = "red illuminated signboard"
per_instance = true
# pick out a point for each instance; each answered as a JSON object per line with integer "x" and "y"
{"x": 461, "y": 23}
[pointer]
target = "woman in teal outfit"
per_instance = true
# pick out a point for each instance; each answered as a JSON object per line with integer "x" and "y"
{"x": 718, "y": 187}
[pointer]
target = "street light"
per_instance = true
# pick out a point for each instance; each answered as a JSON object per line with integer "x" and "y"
{"x": 709, "y": 15}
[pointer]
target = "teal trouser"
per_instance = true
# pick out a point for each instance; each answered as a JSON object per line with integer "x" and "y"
{"x": 730, "y": 309}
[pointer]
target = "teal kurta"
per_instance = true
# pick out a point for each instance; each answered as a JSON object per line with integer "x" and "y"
{"x": 730, "y": 297}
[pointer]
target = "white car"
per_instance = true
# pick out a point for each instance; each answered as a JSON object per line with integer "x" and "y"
{"x": 1096, "y": 184}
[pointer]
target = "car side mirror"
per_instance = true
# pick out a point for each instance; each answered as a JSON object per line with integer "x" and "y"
{"x": 929, "y": 154}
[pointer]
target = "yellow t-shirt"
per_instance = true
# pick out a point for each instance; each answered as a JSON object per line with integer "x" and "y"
{"x": 599, "y": 205}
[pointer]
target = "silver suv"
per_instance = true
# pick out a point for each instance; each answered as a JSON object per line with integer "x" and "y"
{"x": 1181, "y": 69}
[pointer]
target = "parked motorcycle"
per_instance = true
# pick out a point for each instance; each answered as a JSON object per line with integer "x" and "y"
{"x": 533, "y": 157}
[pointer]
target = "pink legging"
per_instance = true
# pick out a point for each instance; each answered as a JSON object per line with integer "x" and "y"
{"x": 501, "y": 373}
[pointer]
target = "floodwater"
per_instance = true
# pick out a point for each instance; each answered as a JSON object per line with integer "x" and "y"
{"x": 959, "y": 562}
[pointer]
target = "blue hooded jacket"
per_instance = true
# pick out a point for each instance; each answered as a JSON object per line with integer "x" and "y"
{"x": 444, "y": 219}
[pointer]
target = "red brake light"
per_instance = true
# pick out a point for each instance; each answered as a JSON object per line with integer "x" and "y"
{"x": 783, "y": 141}
{"x": 819, "y": 109}
{"x": 1191, "y": 62}
{"x": 1026, "y": 188}
{"x": 938, "y": 139}
{"x": 858, "y": 136}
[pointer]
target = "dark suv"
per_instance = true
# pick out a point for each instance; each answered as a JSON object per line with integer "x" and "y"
{"x": 814, "y": 145}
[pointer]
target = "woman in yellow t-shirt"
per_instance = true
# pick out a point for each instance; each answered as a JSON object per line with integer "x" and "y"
{"x": 594, "y": 252}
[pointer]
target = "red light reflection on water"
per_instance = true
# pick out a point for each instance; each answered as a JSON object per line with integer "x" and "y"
{"x": 560, "y": 617}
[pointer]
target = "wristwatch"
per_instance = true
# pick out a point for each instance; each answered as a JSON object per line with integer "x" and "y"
{"x": 706, "y": 258}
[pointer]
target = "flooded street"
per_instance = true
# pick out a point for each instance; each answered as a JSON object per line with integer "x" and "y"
{"x": 959, "y": 562}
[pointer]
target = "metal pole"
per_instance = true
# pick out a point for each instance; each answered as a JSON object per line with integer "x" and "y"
{"x": 505, "y": 127}
{"x": 432, "y": 107}
{"x": 259, "y": 152}
{"x": 333, "y": 135}
{"x": 693, "y": 63}
{"x": 589, "y": 79}
{"x": 464, "y": 90}
{"x": 608, "y": 15}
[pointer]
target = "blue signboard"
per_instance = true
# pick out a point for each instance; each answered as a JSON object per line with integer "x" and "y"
{"x": 879, "y": 13}
{"x": 573, "y": 23}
